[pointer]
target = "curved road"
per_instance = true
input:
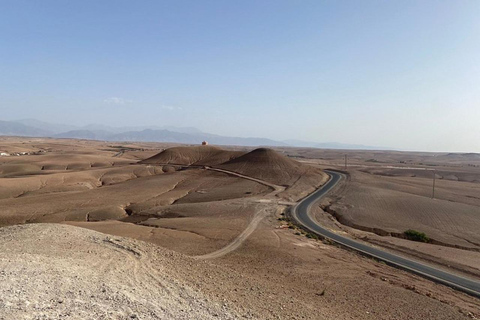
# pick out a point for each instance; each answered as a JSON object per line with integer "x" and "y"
{"x": 301, "y": 216}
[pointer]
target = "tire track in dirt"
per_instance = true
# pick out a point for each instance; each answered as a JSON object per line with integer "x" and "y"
{"x": 277, "y": 189}
{"x": 252, "y": 226}
{"x": 235, "y": 244}
{"x": 142, "y": 272}
{"x": 95, "y": 276}
{"x": 259, "y": 215}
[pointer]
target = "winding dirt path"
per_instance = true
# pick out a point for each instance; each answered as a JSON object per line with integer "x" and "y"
{"x": 235, "y": 244}
{"x": 259, "y": 215}
{"x": 275, "y": 187}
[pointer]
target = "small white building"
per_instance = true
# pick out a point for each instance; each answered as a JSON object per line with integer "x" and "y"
{"x": 4, "y": 154}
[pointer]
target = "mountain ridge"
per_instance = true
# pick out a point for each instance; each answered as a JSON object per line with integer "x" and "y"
{"x": 187, "y": 135}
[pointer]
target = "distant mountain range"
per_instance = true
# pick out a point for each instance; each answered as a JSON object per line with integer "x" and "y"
{"x": 36, "y": 128}
{"x": 189, "y": 135}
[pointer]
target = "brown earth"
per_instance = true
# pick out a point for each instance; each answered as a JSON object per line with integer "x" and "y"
{"x": 372, "y": 204}
{"x": 388, "y": 193}
{"x": 198, "y": 155}
{"x": 268, "y": 165}
{"x": 262, "y": 163}
{"x": 241, "y": 257}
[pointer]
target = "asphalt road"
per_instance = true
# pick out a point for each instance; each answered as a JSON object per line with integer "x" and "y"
{"x": 301, "y": 216}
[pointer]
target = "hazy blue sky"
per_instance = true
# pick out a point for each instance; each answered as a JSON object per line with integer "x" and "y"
{"x": 402, "y": 74}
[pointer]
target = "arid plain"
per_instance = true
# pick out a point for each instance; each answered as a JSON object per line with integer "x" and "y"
{"x": 202, "y": 232}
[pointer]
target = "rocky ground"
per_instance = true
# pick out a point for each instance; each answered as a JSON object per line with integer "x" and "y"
{"x": 51, "y": 271}
{"x": 57, "y": 272}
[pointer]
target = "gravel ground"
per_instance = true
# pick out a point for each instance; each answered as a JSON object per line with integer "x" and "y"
{"x": 52, "y": 271}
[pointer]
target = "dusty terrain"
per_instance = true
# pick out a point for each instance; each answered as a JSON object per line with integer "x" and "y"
{"x": 84, "y": 274}
{"x": 388, "y": 193}
{"x": 233, "y": 254}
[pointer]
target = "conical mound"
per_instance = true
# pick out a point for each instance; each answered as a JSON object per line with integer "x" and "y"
{"x": 268, "y": 165}
{"x": 198, "y": 155}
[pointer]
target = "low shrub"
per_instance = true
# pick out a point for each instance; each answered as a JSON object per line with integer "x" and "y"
{"x": 416, "y": 236}
{"x": 312, "y": 236}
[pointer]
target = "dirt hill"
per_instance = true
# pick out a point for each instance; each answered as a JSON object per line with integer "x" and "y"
{"x": 198, "y": 155}
{"x": 267, "y": 165}
{"x": 262, "y": 163}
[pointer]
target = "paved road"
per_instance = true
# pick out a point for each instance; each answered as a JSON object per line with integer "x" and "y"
{"x": 300, "y": 214}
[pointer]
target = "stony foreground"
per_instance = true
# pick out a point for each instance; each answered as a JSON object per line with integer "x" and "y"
{"x": 52, "y": 271}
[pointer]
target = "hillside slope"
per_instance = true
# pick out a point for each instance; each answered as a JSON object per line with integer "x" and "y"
{"x": 78, "y": 276}
{"x": 266, "y": 164}
{"x": 262, "y": 163}
{"x": 198, "y": 155}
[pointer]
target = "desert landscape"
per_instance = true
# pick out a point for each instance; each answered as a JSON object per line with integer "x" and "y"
{"x": 154, "y": 230}
{"x": 388, "y": 193}
{"x": 239, "y": 160}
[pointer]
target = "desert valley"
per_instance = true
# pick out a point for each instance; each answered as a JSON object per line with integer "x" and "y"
{"x": 239, "y": 160}
{"x": 120, "y": 230}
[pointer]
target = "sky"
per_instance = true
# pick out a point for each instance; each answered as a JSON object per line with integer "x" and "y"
{"x": 398, "y": 74}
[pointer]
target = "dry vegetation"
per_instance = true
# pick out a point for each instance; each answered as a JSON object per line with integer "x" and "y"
{"x": 225, "y": 206}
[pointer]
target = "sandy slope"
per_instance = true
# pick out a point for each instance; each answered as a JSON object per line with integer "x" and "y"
{"x": 82, "y": 274}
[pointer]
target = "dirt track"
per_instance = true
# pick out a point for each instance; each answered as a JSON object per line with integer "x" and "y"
{"x": 235, "y": 244}
{"x": 275, "y": 187}
{"x": 259, "y": 216}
